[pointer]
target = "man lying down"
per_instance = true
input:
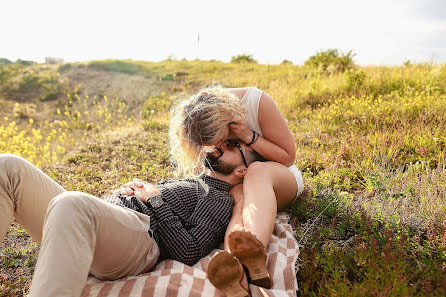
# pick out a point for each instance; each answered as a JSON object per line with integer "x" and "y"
{"x": 124, "y": 234}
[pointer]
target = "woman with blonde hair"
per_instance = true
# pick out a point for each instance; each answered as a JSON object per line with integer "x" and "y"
{"x": 199, "y": 127}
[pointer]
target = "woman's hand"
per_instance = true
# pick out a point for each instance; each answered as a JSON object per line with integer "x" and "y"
{"x": 241, "y": 130}
{"x": 139, "y": 189}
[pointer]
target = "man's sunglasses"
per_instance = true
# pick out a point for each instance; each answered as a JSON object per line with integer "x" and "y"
{"x": 231, "y": 144}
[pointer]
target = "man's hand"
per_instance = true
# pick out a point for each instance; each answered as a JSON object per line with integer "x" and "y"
{"x": 139, "y": 189}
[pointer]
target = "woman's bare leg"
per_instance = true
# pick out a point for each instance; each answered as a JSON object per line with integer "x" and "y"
{"x": 236, "y": 222}
{"x": 267, "y": 188}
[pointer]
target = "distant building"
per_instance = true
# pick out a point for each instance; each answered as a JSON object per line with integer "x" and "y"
{"x": 51, "y": 60}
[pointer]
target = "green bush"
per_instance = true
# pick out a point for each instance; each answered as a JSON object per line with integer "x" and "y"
{"x": 53, "y": 86}
{"x": 127, "y": 67}
{"x": 243, "y": 58}
{"x": 5, "y": 61}
{"x": 156, "y": 104}
{"x": 354, "y": 79}
{"x": 23, "y": 83}
{"x": 7, "y": 72}
{"x": 168, "y": 77}
{"x": 331, "y": 61}
{"x": 30, "y": 81}
{"x": 154, "y": 124}
{"x": 64, "y": 67}
{"x": 25, "y": 62}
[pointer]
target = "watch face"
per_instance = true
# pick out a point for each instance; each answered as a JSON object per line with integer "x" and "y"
{"x": 156, "y": 201}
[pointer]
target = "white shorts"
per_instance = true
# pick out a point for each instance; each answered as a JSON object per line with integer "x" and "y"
{"x": 299, "y": 180}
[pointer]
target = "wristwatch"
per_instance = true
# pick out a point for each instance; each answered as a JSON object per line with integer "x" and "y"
{"x": 155, "y": 201}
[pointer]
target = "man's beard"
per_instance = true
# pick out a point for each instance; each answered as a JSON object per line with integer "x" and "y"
{"x": 225, "y": 168}
{"x": 218, "y": 165}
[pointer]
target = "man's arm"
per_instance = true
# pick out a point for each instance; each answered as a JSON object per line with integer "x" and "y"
{"x": 190, "y": 240}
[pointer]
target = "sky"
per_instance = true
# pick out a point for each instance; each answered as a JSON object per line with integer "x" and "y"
{"x": 386, "y": 32}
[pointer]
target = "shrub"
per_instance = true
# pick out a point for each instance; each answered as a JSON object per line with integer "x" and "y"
{"x": 7, "y": 72}
{"x": 243, "y": 58}
{"x": 64, "y": 67}
{"x": 168, "y": 77}
{"x": 24, "y": 110}
{"x": 155, "y": 124}
{"x": 30, "y": 81}
{"x": 53, "y": 86}
{"x": 127, "y": 67}
{"x": 5, "y": 61}
{"x": 155, "y": 104}
{"x": 331, "y": 61}
{"x": 407, "y": 63}
{"x": 354, "y": 79}
{"x": 155, "y": 112}
{"x": 30, "y": 84}
{"x": 25, "y": 62}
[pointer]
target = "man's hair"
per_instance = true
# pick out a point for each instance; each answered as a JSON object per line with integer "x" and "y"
{"x": 216, "y": 164}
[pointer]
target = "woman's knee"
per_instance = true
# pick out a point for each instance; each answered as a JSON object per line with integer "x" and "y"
{"x": 263, "y": 170}
{"x": 256, "y": 170}
{"x": 275, "y": 176}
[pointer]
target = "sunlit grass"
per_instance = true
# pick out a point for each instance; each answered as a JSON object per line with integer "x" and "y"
{"x": 46, "y": 143}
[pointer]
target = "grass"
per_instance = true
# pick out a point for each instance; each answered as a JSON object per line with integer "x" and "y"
{"x": 371, "y": 143}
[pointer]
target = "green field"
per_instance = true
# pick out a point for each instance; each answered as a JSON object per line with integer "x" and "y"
{"x": 371, "y": 143}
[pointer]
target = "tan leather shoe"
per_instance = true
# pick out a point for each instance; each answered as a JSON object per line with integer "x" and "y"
{"x": 251, "y": 253}
{"x": 226, "y": 273}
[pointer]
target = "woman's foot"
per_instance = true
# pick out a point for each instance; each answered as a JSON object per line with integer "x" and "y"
{"x": 226, "y": 273}
{"x": 251, "y": 254}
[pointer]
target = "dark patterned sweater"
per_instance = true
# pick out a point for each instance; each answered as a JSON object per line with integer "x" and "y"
{"x": 192, "y": 220}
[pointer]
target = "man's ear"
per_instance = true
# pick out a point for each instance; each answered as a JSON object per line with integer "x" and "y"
{"x": 240, "y": 171}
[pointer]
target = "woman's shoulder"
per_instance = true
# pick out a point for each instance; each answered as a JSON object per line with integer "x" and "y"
{"x": 241, "y": 92}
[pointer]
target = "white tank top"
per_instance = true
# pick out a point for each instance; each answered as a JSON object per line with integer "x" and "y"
{"x": 252, "y": 99}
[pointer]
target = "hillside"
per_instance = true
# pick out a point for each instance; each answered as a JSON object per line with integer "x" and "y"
{"x": 371, "y": 143}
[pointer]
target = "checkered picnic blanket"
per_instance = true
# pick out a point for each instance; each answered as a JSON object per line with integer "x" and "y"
{"x": 172, "y": 278}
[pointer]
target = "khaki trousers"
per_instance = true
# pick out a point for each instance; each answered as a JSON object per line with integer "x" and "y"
{"x": 79, "y": 233}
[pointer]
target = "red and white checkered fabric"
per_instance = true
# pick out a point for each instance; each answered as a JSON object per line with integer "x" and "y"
{"x": 172, "y": 278}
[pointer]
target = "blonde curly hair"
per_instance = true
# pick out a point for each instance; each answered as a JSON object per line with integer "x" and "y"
{"x": 198, "y": 121}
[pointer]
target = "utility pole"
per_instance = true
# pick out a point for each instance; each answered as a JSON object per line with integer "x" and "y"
{"x": 198, "y": 46}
